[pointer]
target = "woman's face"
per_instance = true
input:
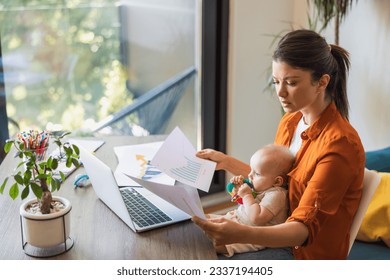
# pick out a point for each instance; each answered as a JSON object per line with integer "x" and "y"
{"x": 294, "y": 87}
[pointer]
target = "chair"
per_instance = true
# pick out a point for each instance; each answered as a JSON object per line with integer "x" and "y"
{"x": 154, "y": 107}
{"x": 371, "y": 181}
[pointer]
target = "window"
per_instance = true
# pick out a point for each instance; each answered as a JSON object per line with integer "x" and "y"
{"x": 72, "y": 64}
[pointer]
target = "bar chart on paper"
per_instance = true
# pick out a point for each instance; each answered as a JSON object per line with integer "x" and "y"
{"x": 190, "y": 172}
{"x": 177, "y": 159}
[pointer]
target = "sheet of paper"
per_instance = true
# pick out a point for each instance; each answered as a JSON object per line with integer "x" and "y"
{"x": 135, "y": 160}
{"x": 90, "y": 145}
{"x": 184, "y": 197}
{"x": 177, "y": 158}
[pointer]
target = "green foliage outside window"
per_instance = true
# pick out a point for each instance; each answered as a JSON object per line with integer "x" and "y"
{"x": 62, "y": 62}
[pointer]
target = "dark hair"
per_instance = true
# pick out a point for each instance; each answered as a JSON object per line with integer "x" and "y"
{"x": 307, "y": 50}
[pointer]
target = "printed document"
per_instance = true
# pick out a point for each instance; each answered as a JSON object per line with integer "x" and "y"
{"x": 135, "y": 160}
{"x": 184, "y": 197}
{"x": 176, "y": 158}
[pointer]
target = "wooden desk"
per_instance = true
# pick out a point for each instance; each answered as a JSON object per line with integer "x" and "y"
{"x": 97, "y": 232}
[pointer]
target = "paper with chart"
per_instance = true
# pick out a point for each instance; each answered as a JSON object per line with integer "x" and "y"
{"x": 184, "y": 197}
{"x": 176, "y": 158}
{"x": 135, "y": 160}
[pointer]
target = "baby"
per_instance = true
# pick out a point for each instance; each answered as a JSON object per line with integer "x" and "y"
{"x": 269, "y": 168}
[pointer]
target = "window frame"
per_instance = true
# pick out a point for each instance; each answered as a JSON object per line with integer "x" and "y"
{"x": 4, "y": 135}
{"x": 215, "y": 31}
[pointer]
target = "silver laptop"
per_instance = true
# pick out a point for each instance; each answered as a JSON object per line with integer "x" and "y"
{"x": 139, "y": 208}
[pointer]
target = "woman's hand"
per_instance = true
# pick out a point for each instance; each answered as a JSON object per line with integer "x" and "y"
{"x": 225, "y": 162}
{"x": 221, "y": 230}
{"x": 213, "y": 155}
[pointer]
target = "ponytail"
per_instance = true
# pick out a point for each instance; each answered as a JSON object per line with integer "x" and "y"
{"x": 337, "y": 87}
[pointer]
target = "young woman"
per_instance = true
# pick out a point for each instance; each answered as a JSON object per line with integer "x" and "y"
{"x": 325, "y": 183}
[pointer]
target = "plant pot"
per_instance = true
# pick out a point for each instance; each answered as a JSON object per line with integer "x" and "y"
{"x": 48, "y": 234}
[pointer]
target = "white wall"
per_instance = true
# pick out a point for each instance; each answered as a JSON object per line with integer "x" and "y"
{"x": 366, "y": 34}
{"x": 253, "y": 115}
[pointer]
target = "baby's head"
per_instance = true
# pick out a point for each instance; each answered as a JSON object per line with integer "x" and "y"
{"x": 270, "y": 166}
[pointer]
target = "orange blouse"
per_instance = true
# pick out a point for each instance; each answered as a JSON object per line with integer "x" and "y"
{"x": 325, "y": 184}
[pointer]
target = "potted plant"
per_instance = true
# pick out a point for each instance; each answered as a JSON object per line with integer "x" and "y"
{"x": 332, "y": 9}
{"x": 39, "y": 174}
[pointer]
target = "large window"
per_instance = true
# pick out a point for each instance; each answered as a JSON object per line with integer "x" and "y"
{"x": 74, "y": 64}
{"x": 70, "y": 65}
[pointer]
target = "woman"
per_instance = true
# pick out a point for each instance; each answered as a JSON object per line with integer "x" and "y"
{"x": 326, "y": 181}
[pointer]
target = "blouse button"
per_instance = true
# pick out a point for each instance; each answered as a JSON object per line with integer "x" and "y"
{"x": 304, "y": 136}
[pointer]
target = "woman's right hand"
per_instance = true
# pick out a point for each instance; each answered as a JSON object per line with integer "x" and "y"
{"x": 221, "y": 231}
{"x": 213, "y": 155}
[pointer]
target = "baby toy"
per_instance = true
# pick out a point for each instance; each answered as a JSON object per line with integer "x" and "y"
{"x": 235, "y": 197}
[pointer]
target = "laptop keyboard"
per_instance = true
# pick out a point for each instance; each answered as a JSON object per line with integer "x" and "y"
{"x": 141, "y": 210}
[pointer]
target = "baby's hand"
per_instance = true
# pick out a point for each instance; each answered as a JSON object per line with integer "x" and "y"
{"x": 237, "y": 180}
{"x": 244, "y": 190}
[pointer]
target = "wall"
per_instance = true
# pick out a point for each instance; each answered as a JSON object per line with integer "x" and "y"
{"x": 366, "y": 34}
{"x": 253, "y": 115}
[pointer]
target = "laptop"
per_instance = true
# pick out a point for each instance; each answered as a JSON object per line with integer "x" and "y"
{"x": 137, "y": 207}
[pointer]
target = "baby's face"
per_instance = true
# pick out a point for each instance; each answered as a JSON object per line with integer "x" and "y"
{"x": 260, "y": 176}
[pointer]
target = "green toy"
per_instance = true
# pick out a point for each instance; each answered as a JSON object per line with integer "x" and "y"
{"x": 235, "y": 197}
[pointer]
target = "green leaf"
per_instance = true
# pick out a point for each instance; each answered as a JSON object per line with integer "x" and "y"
{"x": 37, "y": 190}
{"x": 19, "y": 179}
{"x": 7, "y": 146}
{"x": 68, "y": 151}
{"x": 42, "y": 165}
{"x": 21, "y": 146}
{"x": 50, "y": 162}
{"x": 25, "y": 192}
{"x": 55, "y": 184}
{"x": 3, "y": 185}
{"x": 62, "y": 176}
{"x": 76, "y": 162}
{"x": 14, "y": 191}
{"x": 76, "y": 149}
{"x": 42, "y": 176}
{"x": 27, "y": 177}
{"x": 30, "y": 164}
{"x": 54, "y": 164}
{"x": 68, "y": 162}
